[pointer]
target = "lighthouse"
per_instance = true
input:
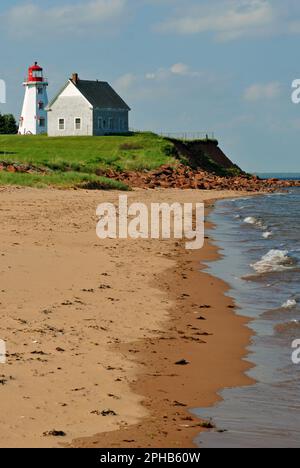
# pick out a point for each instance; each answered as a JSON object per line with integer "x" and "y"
{"x": 33, "y": 120}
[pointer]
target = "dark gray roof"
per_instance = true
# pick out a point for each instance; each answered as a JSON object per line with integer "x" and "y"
{"x": 100, "y": 94}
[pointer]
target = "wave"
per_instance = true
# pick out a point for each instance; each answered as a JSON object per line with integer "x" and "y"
{"x": 267, "y": 234}
{"x": 288, "y": 327}
{"x": 254, "y": 222}
{"x": 274, "y": 260}
{"x": 250, "y": 220}
{"x": 289, "y": 304}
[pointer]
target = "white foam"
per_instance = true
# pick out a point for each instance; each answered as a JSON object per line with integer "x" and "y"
{"x": 275, "y": 260}
{"x": 255, "y": 222}
{"x": 289, "y": 304}
{"x": 267, "y": 234}
{"x": 250, "y": 220}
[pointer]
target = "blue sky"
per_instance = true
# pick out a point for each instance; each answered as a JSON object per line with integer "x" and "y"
{"x": 199, "y": 65}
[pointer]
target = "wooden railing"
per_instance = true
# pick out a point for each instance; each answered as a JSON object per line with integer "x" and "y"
{"x": 185, "y": 136}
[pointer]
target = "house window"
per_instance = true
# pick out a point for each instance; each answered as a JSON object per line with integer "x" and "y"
{"x": 40, "y": 90}
{"x": 104, "y": 123}
{"x": 77, "y": 124}
{"x": 41, "y": 105}
{"x": 61, "y": 124}
{"x": 100, "y": 123}
{"x": 111, "y": 123}
{"x": 42, "y": 122}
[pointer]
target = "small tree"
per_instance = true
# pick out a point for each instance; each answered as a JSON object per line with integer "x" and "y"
{"x": 10, "y": 124}
{"x": 2, "y": 124}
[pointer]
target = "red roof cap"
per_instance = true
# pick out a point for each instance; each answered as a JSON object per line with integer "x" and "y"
{"x": 35, "y": 67}
{"x": 35, "y": 73}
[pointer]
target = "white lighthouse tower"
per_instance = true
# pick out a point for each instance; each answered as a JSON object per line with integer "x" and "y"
{"x": 33, "y": 120}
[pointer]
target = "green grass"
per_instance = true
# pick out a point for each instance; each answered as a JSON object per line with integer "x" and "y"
{"x": 72, "y": 160}
{"x": 61, "y": 180}
{"x": 141, "y": 150}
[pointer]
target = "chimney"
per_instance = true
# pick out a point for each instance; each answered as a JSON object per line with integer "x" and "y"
{"x": 75, "y": 78}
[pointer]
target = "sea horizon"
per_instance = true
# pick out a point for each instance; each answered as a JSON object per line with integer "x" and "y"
{"x": 279, "y": 175}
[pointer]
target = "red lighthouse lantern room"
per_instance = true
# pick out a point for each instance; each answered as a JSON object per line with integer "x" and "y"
{"x": 35, "y": 73}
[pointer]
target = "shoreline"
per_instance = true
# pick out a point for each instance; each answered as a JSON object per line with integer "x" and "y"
{"x": 94, "y": 327}
{"x": 198, "y": 330}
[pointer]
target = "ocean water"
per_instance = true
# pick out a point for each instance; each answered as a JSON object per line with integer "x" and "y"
{"x": 281, "y": 175}
{"x": 260, "y": 241}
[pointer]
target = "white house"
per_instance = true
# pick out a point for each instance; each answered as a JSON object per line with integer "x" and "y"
{"x": 87, "y": 108}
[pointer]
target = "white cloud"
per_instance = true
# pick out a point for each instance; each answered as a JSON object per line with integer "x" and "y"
{"x": 28, "y": 19}
{"x": 160, "y": 74}
{"x": 158, "y": 84}
{"x": 257, "y": 92}
{"x": 150, "y": 76}
{"x": 125, "y": 82}
{"x": 178, "y": 69}
{"x": 226, "y": 19}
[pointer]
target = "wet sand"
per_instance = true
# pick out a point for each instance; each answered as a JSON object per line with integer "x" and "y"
{"x": 94, "y": 328}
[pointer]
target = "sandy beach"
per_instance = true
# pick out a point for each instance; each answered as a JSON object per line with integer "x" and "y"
{"x": 94, "y": 327}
